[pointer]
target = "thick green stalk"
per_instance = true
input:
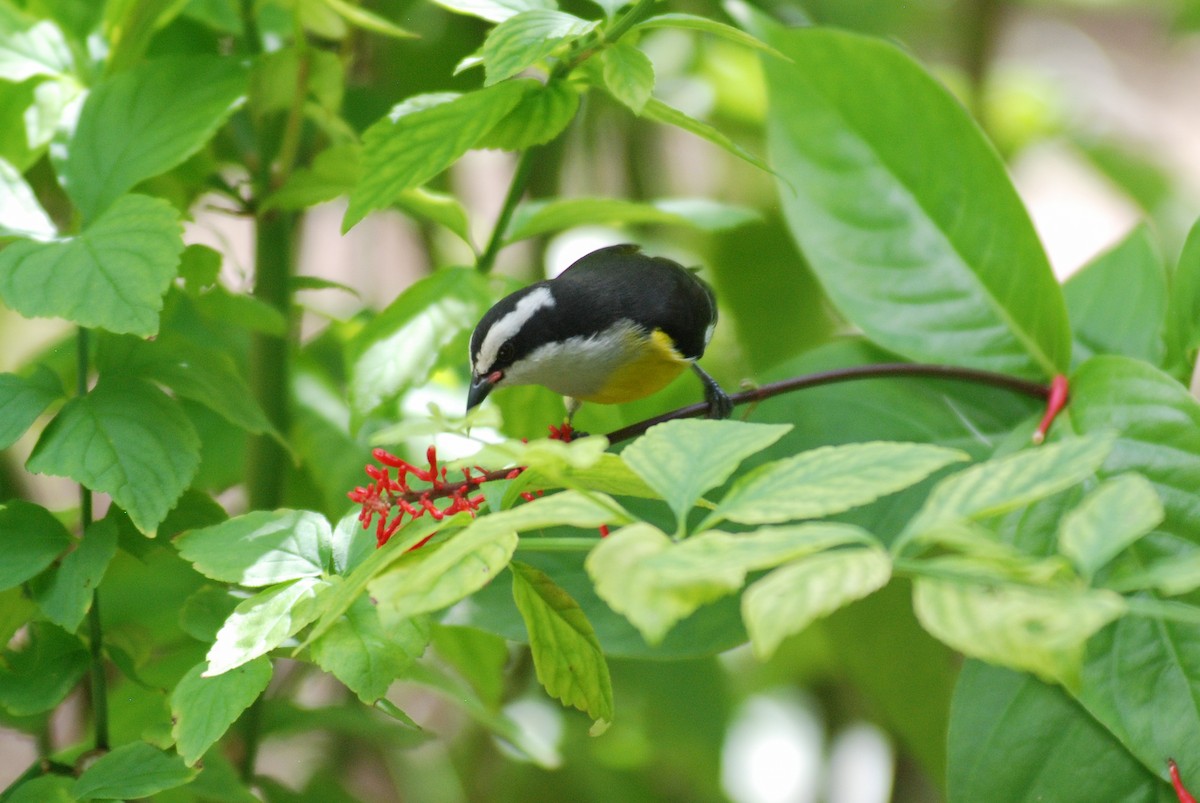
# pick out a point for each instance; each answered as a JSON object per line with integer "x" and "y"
{"x": 95, "y": 629}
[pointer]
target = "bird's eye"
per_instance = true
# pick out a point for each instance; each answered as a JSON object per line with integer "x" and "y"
{"x": 504, "y": 355}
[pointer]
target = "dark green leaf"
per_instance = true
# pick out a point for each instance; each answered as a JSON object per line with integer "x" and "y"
{"x": 1118, "y": 302}
{"x": 45, "y": 789}
{"x": 205, "y": 611}
{"x": 38, "y": 674}
{"x": 334, "y": 172}
{"x": 1183, "y": 307}
{"x": 904, "y": 210}
{"x": 566, "y": 654}
{"x": 165, "y": 109}
{"x": 261, "y": 548}
{"x": 65, "y": 595}
{"x": 125, "y": 438}
{"x": 478, "y": 656}
{"x": 423, "y": 137}
{"x": 526, "y": 38}
{"x": 112, "y": 275}
{"x": 361, "y": 653}
{"x": 203, "y": 708}
{"x": 131, "y": 771}
{"x": 31, "y": 539}
{"x": 1016, "y": 739}
{"x": 541, "y": 116}
{"x": 23, "y": 399}
{"x": 660, "y": 112}
{"x": 199, "y": 267}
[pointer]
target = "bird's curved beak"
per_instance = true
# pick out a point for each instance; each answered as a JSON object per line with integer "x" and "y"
{"x": 481, "y": 386}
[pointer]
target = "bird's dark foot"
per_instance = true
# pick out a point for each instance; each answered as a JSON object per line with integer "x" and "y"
{"x": 719, "y": 403}
{"x": 566, "y": 433}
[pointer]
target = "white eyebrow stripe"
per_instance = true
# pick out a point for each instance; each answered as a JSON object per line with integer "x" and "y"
{"x": 508, "y": 326}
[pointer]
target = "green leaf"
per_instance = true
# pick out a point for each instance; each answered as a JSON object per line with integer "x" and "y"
{"x": 205, "y": 610}
{"x": 261, "y": 548}
{"x": 31, "y": 539}
{"x": 683, "y": 459}
{"x": 494, "y": 10}
{"x": 199, "y": 267}
{"x": 421, "y": 138}
{"x": 1158, "y": 425}
{"x": 40, "y": 49}
{"x": 540, "y": 116}
{"x": 628, "y": 75}
{"x": 790, "y": 598}
{"x": 442, "y": 208}
{"x": 365, "y": 656}
{"x": 351, "y": 544}
{"x": 526, "y": 38}
{"x": 438, "y": 575}
{"x": 131, "y": 771}
{"x": 1014, "y": 738}
{"x": 611, "y": 475}
{"x": 829, "y": 480}
{"x": 401, "y": 345}
{"x": 65, "y": 596}
{"x": 660, "y": 112}
{"x": 43, "y": 789}
{"x": 905, "y": 211}
{"x": 333, "y": 173}
{"x": 1038, "y": 630}
{"x": 23, "y": 399}
{"x": 691, "y": 22}
{"x": 1108, "y": 520}
{"x": 112, "y": 275}
{"x": 165, "y": 109}
{"x": 263, "y": 622}
{"x": 16, "y": 611}
{"x": 203, "y": 708}
{"x": 477, "y": 656}
{"x": 20, "y": 213}
{"x": 125, "y": 438}
{"x": 1007, "y": 483}
{"x": 535, "y": 218}
{"x": 655, "y": 582}
{"x": 1118, "y": 301}
{"x": 367, "y": 20}
{"x": 1183, "y": 307}
{"x": 566, "y": 654}
{"x": 40, "y": 673}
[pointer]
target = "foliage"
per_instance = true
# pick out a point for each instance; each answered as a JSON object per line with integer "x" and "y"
{"x": 1067, "y": 574}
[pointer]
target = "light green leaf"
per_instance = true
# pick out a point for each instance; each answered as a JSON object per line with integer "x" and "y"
{"x": 438, "y": 575}
{"x": 683, "y": 459}
{"x": 494, "y": 10}
{"x": 541, "y": 116}
{"x": 1038, "y": 630}
{"x": 829, "y": 480}
{"x": 442, "y": 208}
{"x": 567, "y": 656}
{"x": 526, "y": 38}
{"x": 16, "y": 611}
{"x": 20, "y": 213}
{"x": 166, "y": 110}
{"x": 569, "y": 508}
{"x": 1108, "y": 520}
{"x": 263, "y": 622}
{"x": 37, "y": 675}
{"x": 660, "y": 112}
{"x": 333, "y": 173}
{"x": 401, "y": 344}
{"x": 1118, "y": 301}
{"x": 1183, "y": 307}
{"x": 655, "y": 582}
{"x": 1007, "y": 483}
{"x": 691, "y": 22}
{"x": 535, "y": 218}
{"x": 23, "y": 399}
{"x": 39, "y": 50}
{"x": 367, "y": 20}
{"x": 1171, "y": 577}
{"x": 628, "y": 75}
{"x": 125, "y": 438}
{"x": 130, "y": 771}
{"x": 422, "y": 138}
{"x": 611, "y": 475}
{"x": 351, "y": 544}
{"x": 361, "y": 653}
{"x": 790, "y": 598}
{"x": 112, "y": 275}
{"x": 203, "y": 708}
{"x": 30, "y": 539}
{"x": 905, "y": 211}
{"x": 65, "y": 596}
{"x": 261, "y": 548}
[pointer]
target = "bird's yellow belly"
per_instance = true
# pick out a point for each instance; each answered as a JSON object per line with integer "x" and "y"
{"x": 656, "y": 364}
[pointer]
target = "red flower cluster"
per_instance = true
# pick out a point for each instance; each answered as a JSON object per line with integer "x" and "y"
{"x": 386, "y": 494}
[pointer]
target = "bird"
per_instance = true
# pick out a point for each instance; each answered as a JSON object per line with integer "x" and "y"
{"x": 615, "y": 326}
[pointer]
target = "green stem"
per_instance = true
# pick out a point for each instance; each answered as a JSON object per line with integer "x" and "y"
{"x": 95, "y": 629}
{"x": 516, "y": 189}
{"x": 251, "y": 734}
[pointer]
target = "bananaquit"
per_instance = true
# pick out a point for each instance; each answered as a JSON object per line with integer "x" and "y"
{"x": 615, "y": 326}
